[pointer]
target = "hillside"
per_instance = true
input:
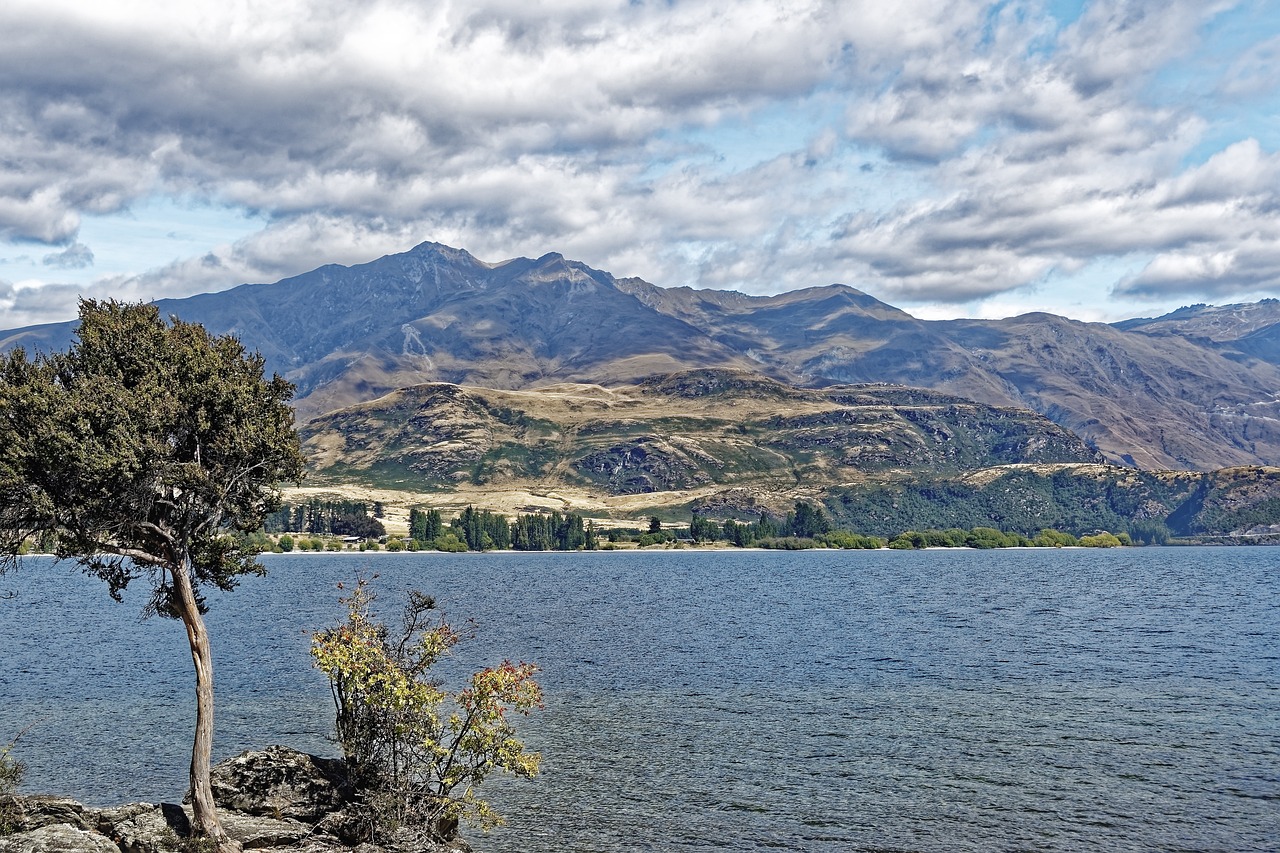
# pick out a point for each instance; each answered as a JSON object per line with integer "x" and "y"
{"x": 730, "y": 444}
{"x": 1240, "y": 504}
{"x": 693, "y": 432}
{"x": 1193, "y": 390}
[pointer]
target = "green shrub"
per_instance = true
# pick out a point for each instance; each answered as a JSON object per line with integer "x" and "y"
{"x": 450, "y": 543}
{"x": 415, "y": 752}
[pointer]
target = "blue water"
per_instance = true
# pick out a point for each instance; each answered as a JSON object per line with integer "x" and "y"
{"x": 815, "y": 701}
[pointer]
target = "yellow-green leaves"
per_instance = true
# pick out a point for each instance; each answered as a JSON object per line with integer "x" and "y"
{"x": 416, "y": 752}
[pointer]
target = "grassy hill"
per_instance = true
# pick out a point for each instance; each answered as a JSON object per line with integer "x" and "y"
{"x": 692, "y": 430}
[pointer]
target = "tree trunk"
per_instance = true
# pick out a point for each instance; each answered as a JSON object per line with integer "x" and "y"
{"x": 205, "y": 815}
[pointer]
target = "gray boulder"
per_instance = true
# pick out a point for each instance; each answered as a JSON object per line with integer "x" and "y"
{"x": 28, "y": 813}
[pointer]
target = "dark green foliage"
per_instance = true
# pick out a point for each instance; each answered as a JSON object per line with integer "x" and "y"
{"x": 1220, "y": 516}
{"x": 1152, "y": 532}
{"x": 703, "y": 529}
{"x": 806, "y": 521}
{"x": 142, "y": 451}
{"x": 141, "y": 448}
{"x": 425, "y": 526}
{"x": 482, "y": 531}
{"x": 1020, "y": 501}
{"x": 1151, "y": 508}
{"x": 326, "y": 518}
{"x": 736, "y": 533}
{"x": 552, "y": 532}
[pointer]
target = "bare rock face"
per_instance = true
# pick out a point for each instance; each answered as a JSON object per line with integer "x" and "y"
{"x": 52, "y": 824}
{"x": 30, "y": 813}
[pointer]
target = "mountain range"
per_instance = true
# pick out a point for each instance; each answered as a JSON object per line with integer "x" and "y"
{"x": 1192, "y": 390}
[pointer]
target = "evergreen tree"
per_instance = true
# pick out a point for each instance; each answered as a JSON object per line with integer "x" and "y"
{"x": 138, "y": 452}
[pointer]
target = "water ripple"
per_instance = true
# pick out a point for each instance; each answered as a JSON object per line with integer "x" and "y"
{"x": 906, "y": 702}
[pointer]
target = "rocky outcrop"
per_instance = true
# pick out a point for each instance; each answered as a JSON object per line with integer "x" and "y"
{"x": 275, "y": 799}
{"x": 58, "y": 838}
{"x": 282, "y": 783}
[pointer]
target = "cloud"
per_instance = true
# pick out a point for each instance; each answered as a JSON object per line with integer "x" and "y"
{"x": 941, "y": 152}
{"x": 1046, "y": 163}
{"x": 74, "y": 257}
{"x": 1250, "y": 266}
{"x": 31, "y": 304}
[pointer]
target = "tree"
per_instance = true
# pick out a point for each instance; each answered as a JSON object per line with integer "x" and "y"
{"x": 425, "y": 526}
{"x": 415, "y": 752}
{"x": 806, "y": 521}
{"x": 703, "y": 529}
{"x": 139, "y": 452}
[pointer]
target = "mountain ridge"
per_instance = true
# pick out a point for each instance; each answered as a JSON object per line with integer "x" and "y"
{"x": 1195, "y": 389}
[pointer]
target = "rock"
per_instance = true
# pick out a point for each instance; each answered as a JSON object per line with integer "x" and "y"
{"x": 255, "y": 832}
{"x": 280, "y": 782}
{"x": 42, "y": 810}
{"x": 107, "y": 820}
{"x": 276, "y": 799}
{"x": 57, "y": 838}
{"x": 145, "y": 828}
{"x": 411, "y": 842}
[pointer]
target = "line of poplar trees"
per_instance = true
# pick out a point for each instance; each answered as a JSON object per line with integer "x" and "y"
{"x": 326, "y": 518}
{"x": 482, "y": 530}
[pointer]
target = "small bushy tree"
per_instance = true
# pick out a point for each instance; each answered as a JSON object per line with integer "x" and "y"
{"x": 416, "y": 752}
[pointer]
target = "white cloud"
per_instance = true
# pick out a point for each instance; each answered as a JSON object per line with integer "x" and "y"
{"x": 999, "y": 150}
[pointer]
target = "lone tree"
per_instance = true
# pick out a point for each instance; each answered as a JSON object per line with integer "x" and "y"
{"x": 138, "y": 453}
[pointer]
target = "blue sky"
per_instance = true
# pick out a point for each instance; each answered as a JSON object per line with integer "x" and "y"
{"x": 1100, "y": 160}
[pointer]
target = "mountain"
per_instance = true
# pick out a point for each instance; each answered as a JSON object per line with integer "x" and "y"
{"x": 731, "y": 444}
{"x": 1220, "y": 324}
{"x": 1241, "y": 331}
{"x": 1151, "y": 400}
{"x": 1193, "y": 390}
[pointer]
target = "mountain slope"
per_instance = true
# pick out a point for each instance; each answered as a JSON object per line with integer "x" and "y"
{"x": 1168, "y": 400}
{"x": 1196, "y": 389}
{"x": 1238, "y": 505}
{"x": 693, "y": 430}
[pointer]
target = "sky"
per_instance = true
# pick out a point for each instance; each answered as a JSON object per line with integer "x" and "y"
{"x": 1100, "y": 160}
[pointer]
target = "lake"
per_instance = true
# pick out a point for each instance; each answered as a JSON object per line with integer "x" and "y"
{"x": 1054, "y": 700}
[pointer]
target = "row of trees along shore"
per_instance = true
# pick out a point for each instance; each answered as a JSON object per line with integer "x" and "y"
{"x": 805, "y": 526}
